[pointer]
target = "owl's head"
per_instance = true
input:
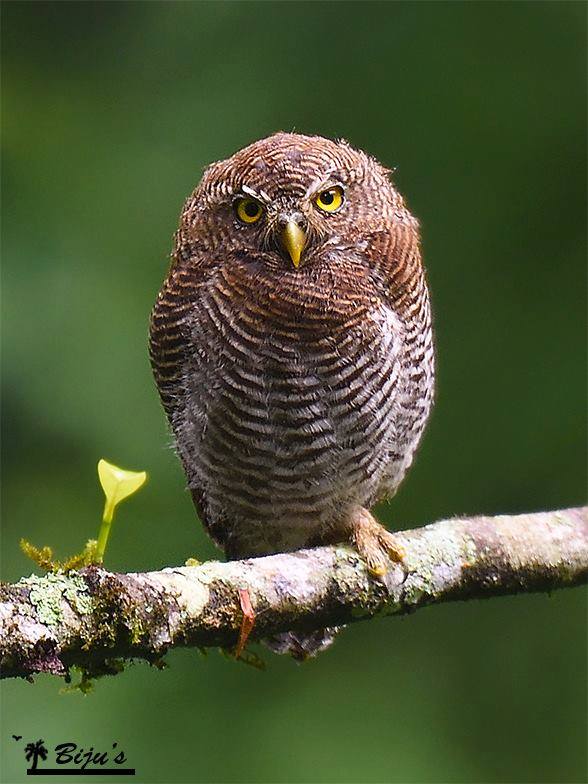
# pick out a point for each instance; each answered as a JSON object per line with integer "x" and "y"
{"x": 291, "y": 200}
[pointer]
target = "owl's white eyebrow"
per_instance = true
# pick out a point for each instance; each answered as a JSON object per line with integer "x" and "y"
{"x": 259, "y": 195}
{"x": 326, "y": 181}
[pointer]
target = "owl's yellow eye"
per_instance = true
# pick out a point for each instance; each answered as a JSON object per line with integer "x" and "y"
{"x": 248, "y": 210}
{"x": 330, "y": 200}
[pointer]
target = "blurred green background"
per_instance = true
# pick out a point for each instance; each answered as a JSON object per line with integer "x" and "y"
{"x": 110, "y": 113}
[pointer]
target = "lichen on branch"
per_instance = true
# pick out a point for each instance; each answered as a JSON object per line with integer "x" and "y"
{"x": 93, "y": 618}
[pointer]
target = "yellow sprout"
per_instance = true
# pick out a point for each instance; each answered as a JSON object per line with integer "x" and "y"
{"x": 117, "y": 484}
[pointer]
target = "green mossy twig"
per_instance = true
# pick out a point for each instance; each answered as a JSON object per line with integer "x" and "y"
{"x": 43, "y": 557}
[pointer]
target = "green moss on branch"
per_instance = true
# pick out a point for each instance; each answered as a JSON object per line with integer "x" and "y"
{"x": 94, "y": 619}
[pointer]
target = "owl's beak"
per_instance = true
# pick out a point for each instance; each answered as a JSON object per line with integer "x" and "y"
{"x": 294, "y": 240}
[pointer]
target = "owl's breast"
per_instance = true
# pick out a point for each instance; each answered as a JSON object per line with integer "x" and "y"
{"x": 290, "y": 415}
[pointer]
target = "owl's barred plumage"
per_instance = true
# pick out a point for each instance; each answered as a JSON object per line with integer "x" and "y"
{"x": 297, "y": 393}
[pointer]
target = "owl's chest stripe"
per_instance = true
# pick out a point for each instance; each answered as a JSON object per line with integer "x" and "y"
{"x": 283, "y": 415}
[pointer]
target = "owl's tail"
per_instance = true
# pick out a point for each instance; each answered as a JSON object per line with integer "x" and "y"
{"x": 302, "y": 646}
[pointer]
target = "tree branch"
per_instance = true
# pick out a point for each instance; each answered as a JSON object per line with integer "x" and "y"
{"x": 93, "y": 617}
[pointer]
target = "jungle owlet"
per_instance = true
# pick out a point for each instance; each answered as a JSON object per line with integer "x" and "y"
{"x": 292, "y": 346}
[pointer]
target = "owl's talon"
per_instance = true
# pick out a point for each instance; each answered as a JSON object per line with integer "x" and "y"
{"x": 396, "y": 552}
{"x": 247, "y": 623}
{"x": 375, "y": 544}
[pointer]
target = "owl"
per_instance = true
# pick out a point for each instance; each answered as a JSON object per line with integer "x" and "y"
{"x": 292, "y": 347}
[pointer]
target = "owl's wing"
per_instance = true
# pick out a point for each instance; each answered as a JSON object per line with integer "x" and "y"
{"x": 169, "y": 331}
{"x": 170, "y": 342}
{"x": 167, "y": 341}
{"x": 400, "y": 280}
{"x": 396, "y": 260}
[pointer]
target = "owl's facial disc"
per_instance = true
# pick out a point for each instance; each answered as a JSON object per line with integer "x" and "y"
{"x": 290, "y": 219}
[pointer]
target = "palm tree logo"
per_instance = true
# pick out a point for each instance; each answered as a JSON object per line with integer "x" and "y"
{"x": 35, "y": 750}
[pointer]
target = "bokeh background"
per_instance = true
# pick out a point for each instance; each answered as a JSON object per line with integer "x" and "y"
{"x": 110, "y": 113}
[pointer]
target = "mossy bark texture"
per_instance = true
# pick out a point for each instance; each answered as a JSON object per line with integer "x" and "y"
{"x": 94, "y": 618}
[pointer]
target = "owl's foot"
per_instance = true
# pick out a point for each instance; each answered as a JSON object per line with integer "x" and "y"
{"x": 375, "y": 544}
{"x": 247, "y": 623}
